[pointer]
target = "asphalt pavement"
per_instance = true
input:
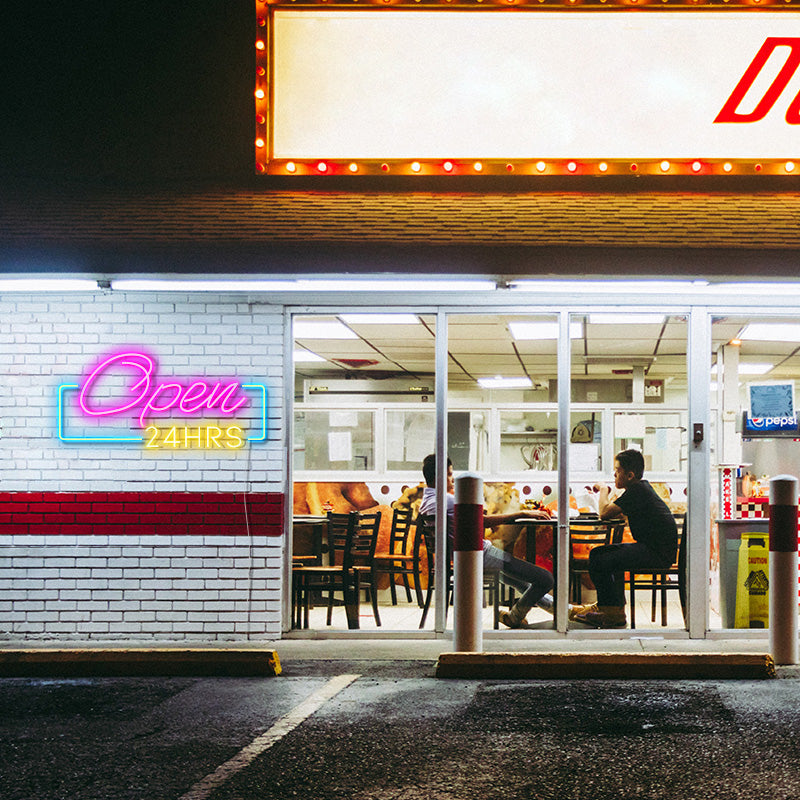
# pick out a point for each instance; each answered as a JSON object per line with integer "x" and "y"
{"x": 369, "y": 727}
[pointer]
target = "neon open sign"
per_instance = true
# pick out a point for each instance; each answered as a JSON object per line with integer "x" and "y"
{"x": 126, "y": 386}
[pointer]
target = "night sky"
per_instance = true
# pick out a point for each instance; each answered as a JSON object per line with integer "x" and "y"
{"x": 143, "y": 91}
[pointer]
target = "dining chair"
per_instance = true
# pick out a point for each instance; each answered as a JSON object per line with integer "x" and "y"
{"x": 358, "y": 559}
{"x": 663, "y": 581}
{"x": 309, "y": 580}
{"x": 352, "y": 539}
{"x": 583, "y": 538}
{"x": 398, "y": 558}
{"x": 426, "y": 534}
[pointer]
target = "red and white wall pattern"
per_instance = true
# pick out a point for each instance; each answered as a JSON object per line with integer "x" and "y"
{"x": 115, "y": 542}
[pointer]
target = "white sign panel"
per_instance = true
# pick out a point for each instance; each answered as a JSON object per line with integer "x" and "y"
{"x": 472, "y": 84}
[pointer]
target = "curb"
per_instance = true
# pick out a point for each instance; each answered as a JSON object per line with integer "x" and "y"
{"x": 48, "y": 662}
{"x": 739, "y": 666}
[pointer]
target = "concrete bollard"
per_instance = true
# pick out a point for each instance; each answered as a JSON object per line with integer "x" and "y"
{"x": 468, "y": 564}
{"x": 783, "y": 569}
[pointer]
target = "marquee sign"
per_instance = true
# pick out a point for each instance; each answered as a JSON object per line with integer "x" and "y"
{"x": 536, "y": 91}
{"x": 124, "y": 400}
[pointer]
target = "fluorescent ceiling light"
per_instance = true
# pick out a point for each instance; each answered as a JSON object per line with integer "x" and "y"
{"x": 608, "y": 287}
{"x": 306, "y": 357}
{"x": 754, "y": 369}
{"x": 626, "y": 318}
{"x": 755, "y": 288}
{"x": 505, "y": 383}
{"x": 48, "y": 285}
{"x": 296, "y": 285}
{"x": 357, "y": 285}
{"x": 155, "y": 285}
{"x": 527, "y": 331}
{"x": 380, "y": 319}
{"x": 313, "y": 329}
{"x": 746, "y": 368}
{"x": 771, "y": 332}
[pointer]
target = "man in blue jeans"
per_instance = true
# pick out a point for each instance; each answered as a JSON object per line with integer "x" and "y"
{"x": 534, "y": 582}
{"x": 656, "y": 541}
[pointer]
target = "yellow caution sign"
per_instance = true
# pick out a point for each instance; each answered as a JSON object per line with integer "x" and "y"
{"x": 752, "y": 582}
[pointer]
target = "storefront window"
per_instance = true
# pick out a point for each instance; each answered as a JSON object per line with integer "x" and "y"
{"x": 755, "y": 363}
{"x": 337, "y": 439}
{"x": 528, "y": 440}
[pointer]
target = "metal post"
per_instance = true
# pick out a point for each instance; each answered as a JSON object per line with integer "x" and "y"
{"x": 783, "y": 569}
{"x": 468, "y": 564}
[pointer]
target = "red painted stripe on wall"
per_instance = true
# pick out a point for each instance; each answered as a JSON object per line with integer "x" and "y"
{"x": 141, "y": 513}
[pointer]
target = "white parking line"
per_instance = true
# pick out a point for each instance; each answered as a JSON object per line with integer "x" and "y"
{"x": 202, "y": 789}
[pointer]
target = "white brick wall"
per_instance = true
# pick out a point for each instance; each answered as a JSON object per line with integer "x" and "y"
{"x": 160, "y": 588}
{"x": 51, "y": 340}
{"x": 156, "y": 588}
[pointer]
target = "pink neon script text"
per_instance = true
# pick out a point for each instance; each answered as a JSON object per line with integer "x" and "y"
{"x": 154, "y": 397}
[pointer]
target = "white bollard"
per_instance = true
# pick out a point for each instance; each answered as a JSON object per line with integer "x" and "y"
{"x": 468, "y": 564}
{"x": 783, "y": 569}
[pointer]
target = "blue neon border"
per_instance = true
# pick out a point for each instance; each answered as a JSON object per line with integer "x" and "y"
{"x": 129, "y": 439}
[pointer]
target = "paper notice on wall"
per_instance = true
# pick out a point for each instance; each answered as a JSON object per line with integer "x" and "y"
{"x": 343, "y": 419}
{"x": 629, "y": 426}
{"x": 583, "y": 457}
{"x": 340, "y": 446}
{"x": 420, "y": 435}
{"x": 673, "y": 440}
{"x": 395, "y": 439}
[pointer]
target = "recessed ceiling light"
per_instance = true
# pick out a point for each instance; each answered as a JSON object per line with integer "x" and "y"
{"x": 528, "y": 331}
{"x": 771, "y": 332}
{"x": 632, "y": 318}
{"x": 746, "y": 368}
{"x": 319, "y": 329}
{"x": 380, "y": 319}
{"x": 505, "y": 383}
{"x": 306, "y": 357}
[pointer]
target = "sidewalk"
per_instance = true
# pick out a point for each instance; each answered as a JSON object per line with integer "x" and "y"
{"x": 98, "y": 658}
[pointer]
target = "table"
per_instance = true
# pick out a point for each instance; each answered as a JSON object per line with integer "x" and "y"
{"x": 310, "y": 550}
{"x": 531, "y": 526}
{"x": 582, "y": 522}
{"x": 308, "y": 537}
{"x": 588, "y": 524}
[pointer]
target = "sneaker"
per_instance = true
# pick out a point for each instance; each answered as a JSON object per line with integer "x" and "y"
{"x": 510, "y": 620}
{"x": 575, "y": 610}
{"x": 604, "y": 617}
{"x": 545, "y": 602}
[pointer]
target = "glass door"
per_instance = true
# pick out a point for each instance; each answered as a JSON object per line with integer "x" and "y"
{"x": 364, "y": 418}
{"x": 628, "y": 392}
{"x": 502, "y": 384}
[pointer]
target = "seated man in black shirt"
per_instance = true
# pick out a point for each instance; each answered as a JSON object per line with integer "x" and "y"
{"x": 656, "y": 541}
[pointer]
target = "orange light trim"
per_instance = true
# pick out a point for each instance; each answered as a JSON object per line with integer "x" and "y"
{"x": 576, "y": 5}
{"x": 266, "y": 163}
{"x": 599, "y": 167}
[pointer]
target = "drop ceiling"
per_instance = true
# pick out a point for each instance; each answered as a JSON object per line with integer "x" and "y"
{"x": 482, "y": 346}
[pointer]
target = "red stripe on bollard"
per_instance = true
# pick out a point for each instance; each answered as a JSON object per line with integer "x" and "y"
{"x": 783, "y": 529}
{"x": 468, "y": 527}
